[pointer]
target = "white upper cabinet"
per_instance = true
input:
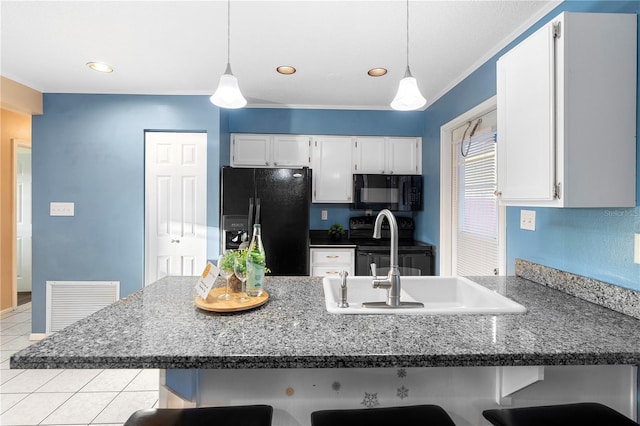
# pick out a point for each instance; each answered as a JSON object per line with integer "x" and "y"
{"x": 258, "y": 150}
{"x": 369, "y": 154}
{"x": 291, "y": 151}
{"x": 387, "y": 155}
{"x": 250, "y": 150}
{"x": 567, "y": 114}
{"x": 331, "y": 163}
{"x": 404, "y": 156}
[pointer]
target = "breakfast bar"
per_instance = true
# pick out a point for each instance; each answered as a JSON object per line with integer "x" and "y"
{"x": 293, "y": 354}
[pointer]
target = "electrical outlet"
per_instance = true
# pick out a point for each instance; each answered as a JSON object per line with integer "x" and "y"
{"x": 61, "y": 209}
{"x": 528, "y": 220}
{"x": 636, "y": 248}
{"x": 324, "y": 215}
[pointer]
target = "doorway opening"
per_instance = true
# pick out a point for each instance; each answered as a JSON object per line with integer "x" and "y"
{"x": 472, "y": 222}
{"x": 22, "y": 221}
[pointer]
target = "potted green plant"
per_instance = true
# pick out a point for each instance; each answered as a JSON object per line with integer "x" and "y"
{"x": 336, "y": 232}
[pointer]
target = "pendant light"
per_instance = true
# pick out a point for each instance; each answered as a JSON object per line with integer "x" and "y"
{"x": 228, "y": 93}
{"x": 408, "y": 97}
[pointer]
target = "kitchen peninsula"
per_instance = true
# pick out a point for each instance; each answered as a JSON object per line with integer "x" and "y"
{"x": 294, "y": 355}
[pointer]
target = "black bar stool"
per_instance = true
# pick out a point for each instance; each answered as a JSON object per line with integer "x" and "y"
{"x": 246, "y": 415}
{"x": 579, "y": 414}
{"x": 426, "y": 415}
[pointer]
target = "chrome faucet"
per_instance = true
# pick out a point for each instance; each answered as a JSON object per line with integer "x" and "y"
{"x": 392, "y": 281}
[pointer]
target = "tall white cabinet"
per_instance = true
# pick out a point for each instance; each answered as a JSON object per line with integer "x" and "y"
{"x": 567, "y": 114}
{"x": 331, "y": 163}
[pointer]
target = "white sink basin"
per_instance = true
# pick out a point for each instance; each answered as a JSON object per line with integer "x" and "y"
{"x": 440, "y": 295}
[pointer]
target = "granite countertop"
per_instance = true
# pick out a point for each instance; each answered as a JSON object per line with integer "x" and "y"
{"x": 159, "y": 327}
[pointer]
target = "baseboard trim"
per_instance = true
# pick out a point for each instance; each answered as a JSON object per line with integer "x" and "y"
{"x": 7, "y": 310}
{"x": 37, "y": 336}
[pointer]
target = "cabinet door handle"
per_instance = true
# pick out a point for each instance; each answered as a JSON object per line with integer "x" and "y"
{"x": 332, "y": 256}
{"x": 332, "y": 272}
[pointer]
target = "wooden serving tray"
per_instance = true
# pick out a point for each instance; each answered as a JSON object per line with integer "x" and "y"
{"x": 234, "y": 305}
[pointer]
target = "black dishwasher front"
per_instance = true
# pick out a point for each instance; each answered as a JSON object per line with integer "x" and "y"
{"x": 412, "y": 260}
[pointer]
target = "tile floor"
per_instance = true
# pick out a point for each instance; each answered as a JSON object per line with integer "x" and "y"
{"x": 66, "y": 397}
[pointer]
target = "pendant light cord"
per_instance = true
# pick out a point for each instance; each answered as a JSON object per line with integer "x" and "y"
{"x": 407, "y": 34}
{"x": 228, "y": 31}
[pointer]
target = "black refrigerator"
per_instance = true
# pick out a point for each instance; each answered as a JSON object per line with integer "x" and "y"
{"x": 277, "y": 199}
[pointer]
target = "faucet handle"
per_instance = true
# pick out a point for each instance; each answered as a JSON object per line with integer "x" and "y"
{"x": 374, "y": 269}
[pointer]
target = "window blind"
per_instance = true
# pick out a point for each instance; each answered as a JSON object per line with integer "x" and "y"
{"x": 474, "y": 201}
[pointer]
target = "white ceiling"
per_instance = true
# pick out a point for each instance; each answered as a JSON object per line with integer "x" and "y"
{"x": 180, "y": 47}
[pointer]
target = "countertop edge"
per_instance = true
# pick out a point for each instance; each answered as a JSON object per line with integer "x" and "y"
{"x": 334, "y": 361}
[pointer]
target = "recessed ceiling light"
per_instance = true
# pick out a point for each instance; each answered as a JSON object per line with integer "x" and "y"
{"x": 286, "y": 69}
{"x": 99, "y": 66}
{"x": 377, "y": 72}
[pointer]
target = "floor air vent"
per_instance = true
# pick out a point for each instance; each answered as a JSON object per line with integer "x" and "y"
{"x": 70, "y": 301}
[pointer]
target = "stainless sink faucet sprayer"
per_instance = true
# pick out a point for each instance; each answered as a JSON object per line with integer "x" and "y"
{"x": 392, "y": 281}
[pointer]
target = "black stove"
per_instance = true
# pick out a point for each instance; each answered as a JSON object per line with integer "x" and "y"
{"x": 414, "y": 257}
{"x": 361, "y": 232}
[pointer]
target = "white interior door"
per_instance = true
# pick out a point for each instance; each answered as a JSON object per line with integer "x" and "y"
{"x": 23, "y": 219}
{"x": 175, "y": 204}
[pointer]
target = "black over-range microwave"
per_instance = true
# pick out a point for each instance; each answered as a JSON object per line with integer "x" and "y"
{"x": 393, "y": 192}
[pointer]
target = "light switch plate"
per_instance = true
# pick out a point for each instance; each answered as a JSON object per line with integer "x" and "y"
{"x": 528, "y": 220}
{"x": 324, "y": 215}
{"x": 61, "y": 209}
{"x": 636, "y": 248}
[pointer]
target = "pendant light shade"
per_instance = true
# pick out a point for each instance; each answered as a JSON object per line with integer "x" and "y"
{"x": 408, "y": 97}
{"x": 228, "y": 93}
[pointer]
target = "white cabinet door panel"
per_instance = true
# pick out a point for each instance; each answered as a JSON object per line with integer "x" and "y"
{"x": 332, "y": 178}
{"x": 291, "y": 151}
{"x": 403, "y": 156}
{"x": 369, "y": 155}
{"x": 526, "y": 140}
{"x": 251, "y": 150}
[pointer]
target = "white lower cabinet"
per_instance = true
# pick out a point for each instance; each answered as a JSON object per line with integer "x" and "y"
{"x": 331, "y": 261}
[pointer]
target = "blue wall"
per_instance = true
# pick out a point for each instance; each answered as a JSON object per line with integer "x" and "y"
{"x": 89, "y": 149}
{"x": 597, "y": 243}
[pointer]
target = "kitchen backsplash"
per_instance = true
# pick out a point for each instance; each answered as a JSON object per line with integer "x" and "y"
{"x": 611, "y": 296}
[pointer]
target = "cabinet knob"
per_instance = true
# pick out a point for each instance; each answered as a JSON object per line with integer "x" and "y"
{"x": 275, "y": 164}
